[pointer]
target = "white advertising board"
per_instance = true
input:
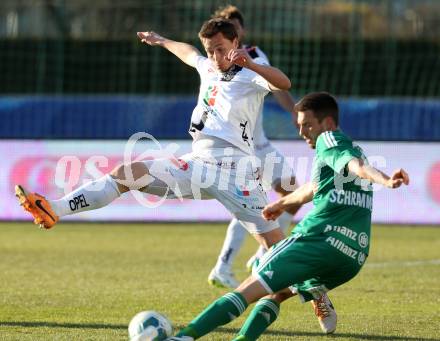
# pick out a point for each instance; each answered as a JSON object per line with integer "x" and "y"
{"x": 37, "y": 166}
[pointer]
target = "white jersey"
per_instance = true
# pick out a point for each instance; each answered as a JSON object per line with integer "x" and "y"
{"x": 229, "y": 104}
{"x": 260, "y": 139}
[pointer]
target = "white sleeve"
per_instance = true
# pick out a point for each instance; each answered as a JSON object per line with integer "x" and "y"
{"x": 201, "y": 64}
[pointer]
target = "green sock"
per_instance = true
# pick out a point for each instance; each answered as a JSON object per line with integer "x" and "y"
{"x": 261, "y": 317}
{"x": 241, "y": 338}
{"x": 222, "y": 311}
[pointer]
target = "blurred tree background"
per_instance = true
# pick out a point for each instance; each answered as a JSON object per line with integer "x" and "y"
{"x": 348, "y": 47}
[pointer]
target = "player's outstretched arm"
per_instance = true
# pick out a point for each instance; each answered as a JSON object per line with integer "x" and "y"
{"x": 285, "y": 100}
{"x": 276, "y": 78}
{"x": 365, "y": 171}
{"x": 300, "y": 196}
{"x": 185, "y": 52}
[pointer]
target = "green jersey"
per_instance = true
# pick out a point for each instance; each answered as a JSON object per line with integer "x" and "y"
{"x": 342, "y": 201}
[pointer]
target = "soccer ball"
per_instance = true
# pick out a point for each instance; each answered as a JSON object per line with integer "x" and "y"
{"x": 149, "y": 326}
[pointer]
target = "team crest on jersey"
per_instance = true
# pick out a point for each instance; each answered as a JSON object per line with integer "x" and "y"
{"x": 210, "y": 95}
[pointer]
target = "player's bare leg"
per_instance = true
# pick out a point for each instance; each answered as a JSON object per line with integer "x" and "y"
{"x": 284, "y": 220}
{"x": 221, "y": 275}
{"x": 134, "y": 176}
{"x": 270, "y": 238}
{"x": 323, "y": 307}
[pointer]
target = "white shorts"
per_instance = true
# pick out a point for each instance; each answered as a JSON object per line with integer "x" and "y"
{"x": 275, "y": 168}
{"x": 236, "y": 186}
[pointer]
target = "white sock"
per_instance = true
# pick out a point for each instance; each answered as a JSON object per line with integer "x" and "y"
{"x": 232, "y": 244}
{"x": 94, "y": 194}
{"x": 285, "y": 220}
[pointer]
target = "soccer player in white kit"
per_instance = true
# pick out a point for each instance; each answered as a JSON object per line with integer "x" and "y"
{"x": 232, "y": 91}
{"x": 275, "y": 175}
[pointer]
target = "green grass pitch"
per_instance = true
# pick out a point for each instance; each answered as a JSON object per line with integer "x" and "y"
{"x": 86, "y": 281}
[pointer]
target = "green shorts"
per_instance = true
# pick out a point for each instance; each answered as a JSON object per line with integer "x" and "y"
{"x": 309, "y": 265}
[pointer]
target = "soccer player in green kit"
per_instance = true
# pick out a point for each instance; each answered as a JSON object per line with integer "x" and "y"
{"x": 329, "y": 245}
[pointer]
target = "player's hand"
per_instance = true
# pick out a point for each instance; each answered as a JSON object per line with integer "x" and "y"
{"x": 240, "y": 57}
{"x": 398, "y": 178}
{"x": 272, "y": 211}
{"x": 151, "y": 38}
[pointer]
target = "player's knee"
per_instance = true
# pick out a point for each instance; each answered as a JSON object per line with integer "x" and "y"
{"x": 132, "y": 176}
{"x": 281, "y": 296}
{"x": 251, "y": 290}
{"x": 140, "y": 170}
{"x": 270, "y": 238}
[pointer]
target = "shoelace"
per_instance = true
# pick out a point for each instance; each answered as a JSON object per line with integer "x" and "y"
{"x": 321, "y": 309}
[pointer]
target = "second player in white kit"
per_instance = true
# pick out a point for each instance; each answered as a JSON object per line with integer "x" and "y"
{"x": 276, "y": 173}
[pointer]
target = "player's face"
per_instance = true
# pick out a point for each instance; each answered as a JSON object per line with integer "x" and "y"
{"x": 309, "y": 127}
{"x": 217, "y": 49}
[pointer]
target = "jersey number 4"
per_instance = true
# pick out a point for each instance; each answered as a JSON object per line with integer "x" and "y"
{"x": 244, "y": 134}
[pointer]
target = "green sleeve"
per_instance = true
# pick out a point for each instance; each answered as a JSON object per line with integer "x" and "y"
{"x": 336, "y": 155}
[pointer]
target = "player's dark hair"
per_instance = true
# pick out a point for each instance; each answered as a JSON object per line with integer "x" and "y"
{"x": 321, "y": 103}
{"x": 218, "y": 25}
{"x": 229, "y": 12}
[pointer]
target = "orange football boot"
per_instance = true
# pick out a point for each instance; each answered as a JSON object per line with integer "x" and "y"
{"x": 38, "y": 206}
